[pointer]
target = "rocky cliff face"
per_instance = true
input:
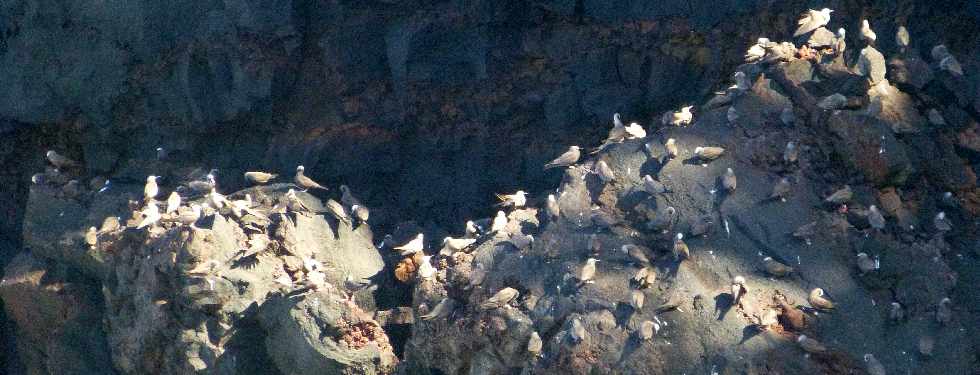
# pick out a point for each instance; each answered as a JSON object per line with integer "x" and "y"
{"x": 445, "y": 103}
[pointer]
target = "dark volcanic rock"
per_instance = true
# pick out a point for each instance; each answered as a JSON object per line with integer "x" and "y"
{"x": 868, "y": 145}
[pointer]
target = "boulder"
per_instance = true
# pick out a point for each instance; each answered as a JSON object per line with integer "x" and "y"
{"x": 871, "y": 64}
{"x": 897, "y": 108}
{"x": 869, "y": 145}
{"x": 821, "y": 37}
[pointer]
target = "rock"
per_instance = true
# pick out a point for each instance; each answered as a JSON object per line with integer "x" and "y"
{"x": 868, "y": 145}
{"x": 909, "y": 73}
{"x": 320, "y": 332}
{"x": 969, "y": 138}
{"x": 821, "y": 37}
{"x": 871, "y": 64}
{"x": 897, "y": 108}
{"x": 799, "y": 71}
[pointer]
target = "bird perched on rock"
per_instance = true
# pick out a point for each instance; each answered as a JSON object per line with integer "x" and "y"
{"x": 203, "y": 186}
{"x": 865, "y": 263}
{"x": 787, "y": 116}
{"x": 775, "y": 268}
{"x": 635, "y": 131}
{"x": 810, "y": 345}
{"x": 188, "y": 215}
{"x": 874, "y": 366}
{"x": 941, "y": 223}
{"x": 534, "y": 344}
{"x": 91, "y": 237}
{"x": 516, "y": 200}
{"x": 653, "y": 187}
{"x": 647, "y": 329}
{"x": 840, "y": 44}
{"x": 499, "y": 222}
{"x": 304, "y": 182}
{"x": 259, "y": 178}
{"x": 361, "y": 213}
{"x": 757, "y": 51}
{"x": 552, "y": 207}
{"x": 416, "y": 245}
{"x": 741, "y": 83}
{"x": 791, "y": 154}
{"x": 587, "y": 273}
{"x": 426, "y": 271}
{"x": 472, "y": 230}
{"x": 679, "y": 118}
{"x": 569, "y": 158}
{"x": 671, "y": 147}
{"x": 577, "y": 331}
{"x": 875, "y": 219}
{"x": 457, "y": 244}
{"x": 681, "y": 251}
{"x": 636, "y": 254}
{"x": 896, "y": 313}
{"x": 729, "y": 181}
{"x": 645, "y": 277}
{"x": 501, "y": 299}
{"x": 812, "y": 20}
{"x": 708, "y": 153}
{"x": 604, "y": 172}
{"x": 173, "y": 202}
{"x": 793, "y": 317}
{"x": 617, "y": 134}
{"x": 636, "y": 300}
{"x": 834, "y": 101}
{"x": 781, "y": 190}
{"x": 337, "y": 210}
{"x": 731, "y": 115}
{"x": 60, "y": 161}
{"x": 151, "y": 214}
{"x": 902, "y": 38}
{"x": 738, "y": 289}
{"x": 950, "y": 64}
{"x": 867, "y": 34}
{"x": 110, "y": 224}
{"x": 944, "y": 312}
{"x": 150, "y": 190}
{"x": 818, "y": 301}
{"x": 841, "y": 196}
{"x": 442, "y": 309}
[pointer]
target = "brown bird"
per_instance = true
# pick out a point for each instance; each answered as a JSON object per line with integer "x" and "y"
{"x": 304, "y": 182}
{"x": 636, "y": 253}
{"x": 738, "y": 289}
{"x": 729, "y": 180}
{"x": 645, "y": 277}
{"x": 810, "y": 345}
{"x": 259, "y": 178}
{"x": 841, "y": 196}
{"x": 680, "y": 248}
{"x": 775, "y": 268}
{"x": 91, "y": 237}
{"x": 501, "y": 299}
{"x": 569, "y": 158}
{"x": 792, "y": 317}
{"x": 818, "y": 301}
{"x": 708, "y": 153}
{"x": 647, "y": 329}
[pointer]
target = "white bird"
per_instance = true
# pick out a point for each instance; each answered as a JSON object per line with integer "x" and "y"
{"x": 941, "y": 223}
{"x": 635, "y": 131}
{"x": 173, "y": 202}
{"x": 902, "y": 38}
{"x": 499, "y": 222}
{"x": 812, "y": 20}
{"x": 534, "y": 344}
{"x": 553, "y": 209}
{"x": 741, "y": 81}
{"x": 150, "y": 190}
{"x": 647, "y": 329}
{"x": 950, "y": 64}
{"x": 426, "y": 270}
{"x": 867, "y": 34}
{"x": 218, "y": 200}
{"x": 604, "y": 172}
{"x": 517, "y": 200}
{"x": 671, "y": 146}
{"x": 151, "y": 214}
{"x": 59, "y": 161}
{"x": 457, "y": 244}
{"x": 681, "y": 118}
{"x": 414, "y": 246}
{"x": 471, "y": 229}
{"x": 587, "y": 274}
{"x": 840, "y": 44}
{"x": 755, "y": 53}
{"x": 874, "y": 366}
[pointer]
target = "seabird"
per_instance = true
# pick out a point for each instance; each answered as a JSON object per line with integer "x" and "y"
{"x": 818, "y": 301}
{"x": 617, "y": 134}
{"x": 775, "y": 268}
{"x": 457, "y": 244}
{"x": 681, "y": 250}
{"x": 337, "y": 210}
{"x": 151, "y": 214}
{"x": 738, "y": 289}
{"x": 471, "y": 229}
{"x": 781, "y": 190}
{"x": 110, "y": 224}
{"x": 840, "y": 44}
{"x": 741, "y": 82}
{"x": 875, "y": 218}
{"x": 161, "y": 153}
{"x": 567, "y": 159}
{"x": 348, "y": 198}
{"x": 635, "y": 131}
{"x": 577, "y": 331}
{"x": 708, "y": 153}
{"x": 426, "y": 270}
{"x": 671, "y": 147}
{"x": 604, "y": 172}
{"x": 636, "y": 254}
{"x": 259, "y": 178}
{"x": 902, "y": 38}
{"x": 791, "y": 154}
{"x": 205, "y": 186}
{"x": 731, "y": 115}
{"x": 218, "y": 200}
{"x": 944, "y": 312}
{"x": 644, "y": 277}
{"x": 587, "y": 274}
{"x": 636, "y": 300}
{"x": 812, "y": 20}
{"x": 150, "y": 190}
{"x": 304, "y": 182}
{"x": 294, "y": 203}
{"x": 188, "y": 215}
{"x": 552, "y": 207}
{"x": 841, "y": 196}
{"x": 865, "y": 263}
{"x": 516, "y": 200}
{"x": 867, "y": 34}
{"x": 787, "y": 116}
{"x": 361, "y": 213}
{"x": 950, "y": 64}
{"x": 729, "y": 181}
{"x": 501, "y": 299}
{"x": 499, "y": 222}
{"x": 91, "y": 237}
{"x": 653, "y": 187}
{"x": 414, "y": 246}
{"x": 59, "y": 161}
{"x": 897, "y": 312}
{"x": 757, "y": 51}
{"x": 442, "y": 309}
{"x": 834, "y": 101}
{"x": 680, "y": 118}
{"x": 173, "y": 202}
{"x": 534, "y": 344}
{"x": 874, "y": 366}
{"x": 941, "y": 223}
{"x": 810, "y": 345}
